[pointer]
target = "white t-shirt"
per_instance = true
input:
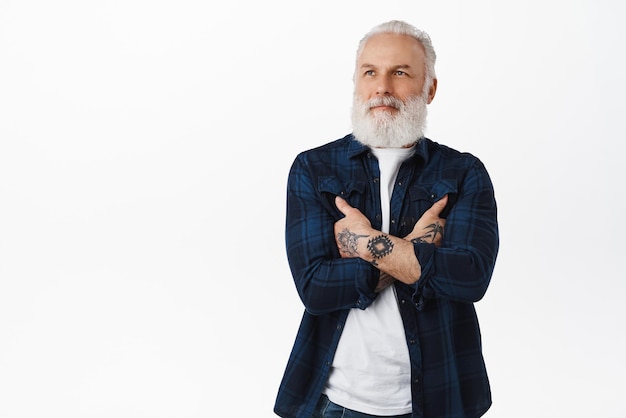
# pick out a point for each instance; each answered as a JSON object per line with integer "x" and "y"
{"x": 371, "y": 369}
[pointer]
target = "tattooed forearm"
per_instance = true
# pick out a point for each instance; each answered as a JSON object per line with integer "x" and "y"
{"x": 379, "y": 247}
{"x": 348, "y": 242}
{"x": 430, "y": 235}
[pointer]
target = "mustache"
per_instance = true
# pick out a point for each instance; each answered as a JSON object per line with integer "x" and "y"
{"x": 385, "y": 101}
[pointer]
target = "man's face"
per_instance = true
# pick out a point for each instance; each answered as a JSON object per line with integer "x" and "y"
{"x": 390, "y": 65}
{"x": 389, "y": 109}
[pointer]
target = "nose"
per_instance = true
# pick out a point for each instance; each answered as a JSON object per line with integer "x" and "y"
{"x": 384, "y": 86}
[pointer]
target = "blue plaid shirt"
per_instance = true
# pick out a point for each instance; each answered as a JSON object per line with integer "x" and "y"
{"x": 448, "y": 375}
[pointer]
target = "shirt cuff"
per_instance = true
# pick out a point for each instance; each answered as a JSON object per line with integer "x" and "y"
{"x": 424, "y": 253}
{"x": 366, "y": 287}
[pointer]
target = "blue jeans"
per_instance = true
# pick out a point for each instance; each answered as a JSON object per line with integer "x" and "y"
{"x": 326, "y": 409}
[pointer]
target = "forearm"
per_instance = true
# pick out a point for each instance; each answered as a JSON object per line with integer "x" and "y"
{"x": 384, "y": 281}
{"x": 392, "y": 255}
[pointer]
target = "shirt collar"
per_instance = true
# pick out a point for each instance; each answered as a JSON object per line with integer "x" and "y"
{"x": 421, "y": 150}
{"x": 356, "y": 148}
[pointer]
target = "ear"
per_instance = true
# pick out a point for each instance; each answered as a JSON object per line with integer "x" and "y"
{"x": 432, "y": 91}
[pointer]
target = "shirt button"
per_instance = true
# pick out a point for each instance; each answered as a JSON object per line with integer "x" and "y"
{"x": 412, "y": 342}
{"x": 393, "y": 221}
{"x": 376, "y": 179}
{"x": 433, "y": 196}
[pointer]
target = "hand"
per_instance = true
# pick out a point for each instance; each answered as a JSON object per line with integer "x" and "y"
{"x": 350, "y": 228}
{"x": 429, "y": 228}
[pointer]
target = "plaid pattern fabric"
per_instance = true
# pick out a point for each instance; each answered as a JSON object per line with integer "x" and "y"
{"x": 449, "y": 378}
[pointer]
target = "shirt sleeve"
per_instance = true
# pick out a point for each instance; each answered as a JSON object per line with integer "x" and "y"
{"x": 325, "y": 281}
{"x": 462, "y": 267}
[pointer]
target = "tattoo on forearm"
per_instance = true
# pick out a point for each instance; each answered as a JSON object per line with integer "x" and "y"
{"x": 430, "y": 235}
{"x": 379, "y": 247}
{"x": 348, "y": 242}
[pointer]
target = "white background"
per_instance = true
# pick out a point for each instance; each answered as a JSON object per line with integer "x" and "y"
{"x": 144, "y": 149}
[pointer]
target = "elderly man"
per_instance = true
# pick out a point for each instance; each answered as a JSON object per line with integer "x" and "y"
{"x": 391, "y": 238}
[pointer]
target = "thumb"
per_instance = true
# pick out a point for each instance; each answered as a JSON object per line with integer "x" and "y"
{"x": 439, "y": 205}
{"x": 342, "y": 205}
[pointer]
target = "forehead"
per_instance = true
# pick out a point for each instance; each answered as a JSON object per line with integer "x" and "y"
{"x": 392, "y": 49}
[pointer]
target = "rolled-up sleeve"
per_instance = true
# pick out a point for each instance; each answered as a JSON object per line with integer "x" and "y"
{"x": 462, "y": 267}
{"x": 325, "y": 281}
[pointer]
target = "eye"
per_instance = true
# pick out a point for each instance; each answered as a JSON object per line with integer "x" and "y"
{"x": 369, "y": 73}
{"x": 401, "y": 73}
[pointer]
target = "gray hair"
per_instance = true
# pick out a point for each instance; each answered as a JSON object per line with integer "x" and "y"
{"x": 402, "y": 28}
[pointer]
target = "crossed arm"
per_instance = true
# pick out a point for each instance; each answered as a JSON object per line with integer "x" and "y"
{"x": 393, "y": 256}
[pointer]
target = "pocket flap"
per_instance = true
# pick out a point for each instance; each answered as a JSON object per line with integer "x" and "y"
{"x": 335, "y": 186}
{"x": 434, "y": 191}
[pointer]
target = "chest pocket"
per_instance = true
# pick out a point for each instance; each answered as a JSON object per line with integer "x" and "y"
{"x": 351, "y": 191}
{"x": 424, "y": 195}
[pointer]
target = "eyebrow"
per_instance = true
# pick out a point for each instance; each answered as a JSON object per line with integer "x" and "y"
{"x": 395, "y": 67}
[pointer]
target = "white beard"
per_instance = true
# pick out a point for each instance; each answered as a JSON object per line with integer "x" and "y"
{"x": 381, "y": 129}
